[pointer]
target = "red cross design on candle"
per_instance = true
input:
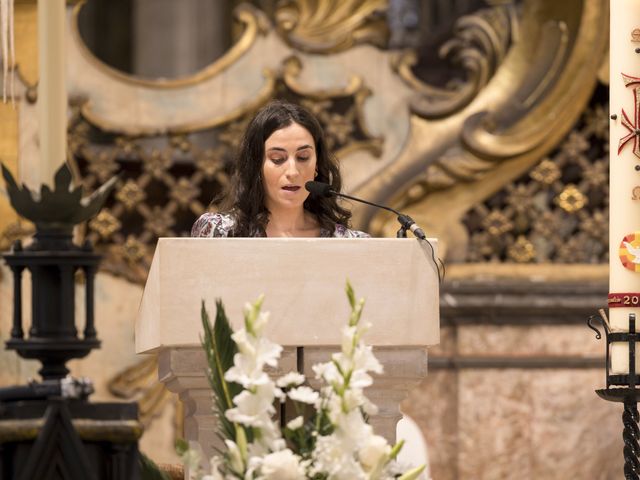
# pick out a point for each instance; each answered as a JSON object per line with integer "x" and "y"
{"x": 633, "y": 127}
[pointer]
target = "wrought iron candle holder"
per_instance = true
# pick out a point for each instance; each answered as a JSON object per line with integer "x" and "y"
{"x": 53, "y": 260}
{"x": 624, "y": 389}
{"x": 49, "y": 430}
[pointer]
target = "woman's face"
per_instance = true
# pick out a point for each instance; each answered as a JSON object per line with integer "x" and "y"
{"x": 289, "y": 162}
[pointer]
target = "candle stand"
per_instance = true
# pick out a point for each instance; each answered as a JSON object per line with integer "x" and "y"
{"x": 624, "y": 389}
{"x": 49, "y": 430}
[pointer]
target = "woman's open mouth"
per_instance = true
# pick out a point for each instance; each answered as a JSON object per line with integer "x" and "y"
{"x": 291, "y": 188}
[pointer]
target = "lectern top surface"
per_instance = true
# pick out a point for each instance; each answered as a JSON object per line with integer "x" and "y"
{"x": 303, "y": 280}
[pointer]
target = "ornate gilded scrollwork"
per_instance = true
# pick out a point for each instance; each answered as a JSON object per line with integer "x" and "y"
{"x": 523, "y": 112}
{"x": 479, "y": 45}
{"x": 265, "y": 93}
{"x": 346, "y": 133}
{"x": 330, "y": 26}
{"x": 254, "y": 24}
{"x": 486, "y": 134}
{"x": 17, "y": 230}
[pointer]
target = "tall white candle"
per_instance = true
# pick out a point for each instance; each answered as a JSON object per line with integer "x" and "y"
{"x": 52, "y": 91}
{"x": 624, "y": 183}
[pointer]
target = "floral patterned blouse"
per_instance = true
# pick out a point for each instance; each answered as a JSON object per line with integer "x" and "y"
{"x": 220, "y": 224}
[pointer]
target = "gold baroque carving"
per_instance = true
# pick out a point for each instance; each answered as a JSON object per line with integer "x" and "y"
{"x": 140, "y": 382}
{"x": 330, "y": 26}
{"x": 479, "y": 45}
{"x": 488, "y": 137}
{"x": 534, "y": 99}
{"x": 254, "y": 21}
{"x": 291, "y": 70}
{"x": 292, "y": 67}
{"x": 17, "y": 230}
{"x": 263, "y": 95}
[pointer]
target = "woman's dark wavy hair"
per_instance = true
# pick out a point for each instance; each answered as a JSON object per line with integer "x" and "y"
{"x": 246, "y": 198}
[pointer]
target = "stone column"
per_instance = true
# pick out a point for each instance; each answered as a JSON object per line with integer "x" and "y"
{"x": 183, "y": 371}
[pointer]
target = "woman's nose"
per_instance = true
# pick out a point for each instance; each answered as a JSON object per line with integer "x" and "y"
{"x": 292, "y": 168}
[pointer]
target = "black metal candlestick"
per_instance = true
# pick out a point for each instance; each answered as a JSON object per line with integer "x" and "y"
{"x": 50, "y": 430}
{"x": 623, "y": 389}
{"x": 53, "y": 260}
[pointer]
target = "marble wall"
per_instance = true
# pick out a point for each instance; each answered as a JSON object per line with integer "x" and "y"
{"x": 510, "y": 391}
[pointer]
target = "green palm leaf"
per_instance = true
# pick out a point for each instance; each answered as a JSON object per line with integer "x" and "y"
{"x": 220, "y": 349}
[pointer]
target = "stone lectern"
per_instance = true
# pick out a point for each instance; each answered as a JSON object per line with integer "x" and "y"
{"x": 304, "y": 283}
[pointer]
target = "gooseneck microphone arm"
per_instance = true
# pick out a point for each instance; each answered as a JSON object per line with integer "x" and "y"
{"x": 406, "y": 222}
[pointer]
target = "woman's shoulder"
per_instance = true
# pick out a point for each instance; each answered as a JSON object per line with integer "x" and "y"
{"x": 343, "y": 232}
{"x": 213, "y": 225}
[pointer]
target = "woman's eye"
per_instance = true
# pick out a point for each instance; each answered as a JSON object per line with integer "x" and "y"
{"x": 302, "y": 158}
{"x": 278, "y": 160}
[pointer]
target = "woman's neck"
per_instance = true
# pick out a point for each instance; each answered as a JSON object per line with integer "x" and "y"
{"x": 292, "y": 223}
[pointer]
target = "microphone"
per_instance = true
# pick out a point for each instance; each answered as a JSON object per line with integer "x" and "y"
{"x": 320, "y": 189}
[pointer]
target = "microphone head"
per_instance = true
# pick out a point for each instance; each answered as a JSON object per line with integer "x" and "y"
{"x": 319, "y": 189}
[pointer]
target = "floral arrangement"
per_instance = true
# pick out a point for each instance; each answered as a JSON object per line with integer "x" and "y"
{"x": 329, "y": 438}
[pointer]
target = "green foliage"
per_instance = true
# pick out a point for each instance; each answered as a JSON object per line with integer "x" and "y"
{"x": 356, "y": 306}
{"x": 220, "y": 349}
{"x": 181, "y": 446}
{"x": 149, "y": 470}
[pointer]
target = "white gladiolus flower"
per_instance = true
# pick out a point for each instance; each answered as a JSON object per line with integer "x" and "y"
{"x": 291, "y": 379}
{"x": 368, "y": 407}
{"x": 353, "y": 399}
{"x": 235, "y": 458}
{"x": 243, "y": 374}
{"x": 296, "y": 423}
{"x": 374, "y": 450}
{"x": 214, "y": 465}
{"x": 330, "y": 456}
{"x": 350, "y": 452}
{"x": 348, "y": 334}
{"x": 304, "y": 395}
{"x": 327, "y": 372}
{"x": 366, "y": 360}
{"x": 253, "y": 409}
{"x": 260, "y": 322}
{"x": 352, "y": 429}
{"x": 245, "y": 343}
{"x": 360, "y": 379}
{"x": 282, "y": 465}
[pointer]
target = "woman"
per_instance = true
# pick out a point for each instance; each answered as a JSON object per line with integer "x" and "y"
{"x": 282, "y": 149}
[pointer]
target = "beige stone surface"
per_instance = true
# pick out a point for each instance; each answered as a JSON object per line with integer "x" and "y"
{"x": 434, "y": 407}
{"x": 521, "y": 340}
{"x": 488, "y": 424}
{"x": 448, "y": 339}
{"x": 303, "y": 283}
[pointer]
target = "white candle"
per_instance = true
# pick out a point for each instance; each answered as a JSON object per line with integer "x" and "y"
{"x": 52, "y": 91}
{"x": 624, "y": 154}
